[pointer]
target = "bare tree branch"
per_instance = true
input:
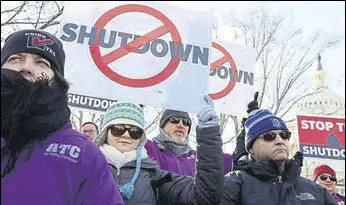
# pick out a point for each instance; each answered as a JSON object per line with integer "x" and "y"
{"x": 157, "y": 117}
{"x": 39, "y": 13}
{"x": 20, "y": 9}
{"x": 283, "y": 53}
{"x": 223, "y": 122}
{"x": 51, "y": 21}
{"x": 287, "y": 109}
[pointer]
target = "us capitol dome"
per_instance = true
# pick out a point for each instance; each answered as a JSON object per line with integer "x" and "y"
{"x": 322, "y": 102}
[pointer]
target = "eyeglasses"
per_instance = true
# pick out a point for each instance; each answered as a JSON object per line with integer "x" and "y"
{"x": 325, "y": 177}
{"x": 271, "y": 136}
{"x": 176, "y": 120}
{"x": 89, "y": 131}
{"x": 134, "y": 131}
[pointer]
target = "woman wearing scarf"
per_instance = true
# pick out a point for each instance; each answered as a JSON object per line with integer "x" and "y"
{"x": 141, "y": 181}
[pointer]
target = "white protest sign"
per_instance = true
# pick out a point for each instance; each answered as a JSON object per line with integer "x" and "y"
{"x": 141, "y": 52}
{"x": 231, "y": 81}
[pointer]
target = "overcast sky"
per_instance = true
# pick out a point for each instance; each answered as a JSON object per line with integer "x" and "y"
{"x": 325, "y": 17}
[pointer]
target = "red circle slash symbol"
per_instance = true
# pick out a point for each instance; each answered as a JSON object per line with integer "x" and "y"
{"x": 103, "y": 61}
{"x": 226, "y": 58}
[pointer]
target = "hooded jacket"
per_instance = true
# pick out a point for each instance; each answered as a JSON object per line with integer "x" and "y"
{"x": 64, "y": 169}
{"x": 260, "y": 183}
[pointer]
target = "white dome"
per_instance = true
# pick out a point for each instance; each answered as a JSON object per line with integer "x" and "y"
{"x": 324, "y": 102}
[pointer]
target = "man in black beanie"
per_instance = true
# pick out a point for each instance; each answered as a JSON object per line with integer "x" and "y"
{"x": 42, "y": 158}
{"x": 171, "y": 148}
{"x": 177, "y": 124}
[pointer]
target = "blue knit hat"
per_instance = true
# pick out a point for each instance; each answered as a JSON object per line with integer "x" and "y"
{"x": 123, "y": 113}
{"x": 130, "y": 114}
{"x": 259, "y": 122}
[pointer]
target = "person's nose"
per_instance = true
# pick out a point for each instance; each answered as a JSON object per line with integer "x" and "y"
{"x": 328, "y": 180}
{"x": 27, "y": 67}
{"x": 180, "y": 123}
{"x": 126, "y": 134}
{"x": 279, "y": 140}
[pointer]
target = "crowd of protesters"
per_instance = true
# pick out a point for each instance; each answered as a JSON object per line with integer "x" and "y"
{"x": 45, "y": 161}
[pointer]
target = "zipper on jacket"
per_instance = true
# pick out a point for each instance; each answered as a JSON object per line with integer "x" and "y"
{"x": 118, "y": 171}
{"x": 281, "y": 185}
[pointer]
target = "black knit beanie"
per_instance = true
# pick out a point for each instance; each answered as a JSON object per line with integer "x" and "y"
{"x": 170, "y": 113}
{"x": 37, "y": 42}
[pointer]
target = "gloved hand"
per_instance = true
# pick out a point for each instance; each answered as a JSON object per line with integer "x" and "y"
{"x": 207, "y": 117}
{"x": 253, "y": 105}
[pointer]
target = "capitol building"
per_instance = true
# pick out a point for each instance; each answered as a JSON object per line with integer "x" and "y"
{"x": 324, "y": 102}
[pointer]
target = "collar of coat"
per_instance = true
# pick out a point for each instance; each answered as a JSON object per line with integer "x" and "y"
{"x": 267, "y": 170}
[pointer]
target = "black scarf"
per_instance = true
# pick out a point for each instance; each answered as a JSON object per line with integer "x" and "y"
{"x": 29, "y": 112}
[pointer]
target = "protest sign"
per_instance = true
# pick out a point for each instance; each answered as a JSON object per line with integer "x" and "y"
{"x": 140, "y": 52}
{"x": 322, "y": 136}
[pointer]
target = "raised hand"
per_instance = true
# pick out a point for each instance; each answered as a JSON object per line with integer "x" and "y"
{"x": 207, "y": 116}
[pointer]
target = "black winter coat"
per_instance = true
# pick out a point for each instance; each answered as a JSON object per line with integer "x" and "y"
{"x": 261, "y": 184}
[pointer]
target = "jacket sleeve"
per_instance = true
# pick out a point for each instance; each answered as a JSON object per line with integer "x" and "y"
{"x": 232, "y": 189}
{"x": 99, "y": 186}
{"x": 206, "y": 187}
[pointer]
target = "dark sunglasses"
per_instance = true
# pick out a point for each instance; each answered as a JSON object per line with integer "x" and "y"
{"x": 271, "y": 136}
{"x": 134, "y": 131}
{"x": 325, "y": 177}
{"x": 176, "y": 120}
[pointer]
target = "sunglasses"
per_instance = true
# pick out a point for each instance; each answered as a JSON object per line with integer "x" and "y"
{"x": 271, "y": 136}
{"x": 134, "y": 131}
{"x": 176, "y": 120}
{"x": 325, "y": 177}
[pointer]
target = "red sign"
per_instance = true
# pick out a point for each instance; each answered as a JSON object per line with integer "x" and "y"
{"x": 103, "y": 61}
{"x": 322, "y": 136}
{"x": 226, "y": 58}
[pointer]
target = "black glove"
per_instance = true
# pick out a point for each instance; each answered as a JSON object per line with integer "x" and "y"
{"x": 253, "y": 105}
{"x": 240, "y": 150}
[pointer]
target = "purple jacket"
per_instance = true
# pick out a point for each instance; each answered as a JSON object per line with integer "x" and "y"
{"x": 184, "y": 164}
{"x": 66, "y": 169}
